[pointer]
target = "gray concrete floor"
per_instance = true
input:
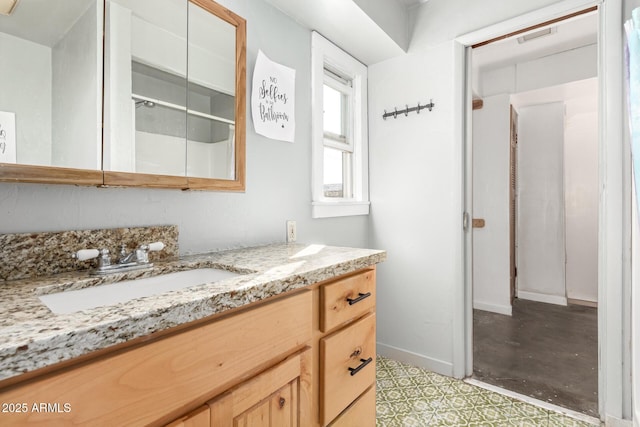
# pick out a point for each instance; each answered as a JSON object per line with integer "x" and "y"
{"x": 545, "y": 351}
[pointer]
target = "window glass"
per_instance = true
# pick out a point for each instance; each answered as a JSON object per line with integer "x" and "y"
{"x": 333, "y": 185}
{"x": 334, "y": 111}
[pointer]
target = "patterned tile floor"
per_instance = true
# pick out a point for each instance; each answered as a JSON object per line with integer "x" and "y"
{"x": 408, "y": 396}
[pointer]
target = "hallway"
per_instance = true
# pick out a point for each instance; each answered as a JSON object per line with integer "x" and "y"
{"x": 546, "y": 351}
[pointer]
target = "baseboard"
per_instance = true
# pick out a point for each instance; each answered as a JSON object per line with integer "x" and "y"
{"x": 415, "y": 359}
{"x": 549, "y": 299}
{"x": 617, "y": 422}
{"x": 494, "y": 308}
{"x": 593, "y": 304}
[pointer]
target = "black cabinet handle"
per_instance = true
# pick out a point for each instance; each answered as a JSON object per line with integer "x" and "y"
{"x": 364, "y": 363}
{"x": 361, "y": 296}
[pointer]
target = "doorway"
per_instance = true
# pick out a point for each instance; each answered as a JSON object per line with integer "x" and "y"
{"x": 526, "y": 337}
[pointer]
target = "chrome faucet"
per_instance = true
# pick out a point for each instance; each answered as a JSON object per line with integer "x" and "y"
{"x": 140, "y": 255}
{"x": 135, "y": 260}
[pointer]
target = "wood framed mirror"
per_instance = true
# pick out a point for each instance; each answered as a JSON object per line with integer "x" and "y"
{"x": 175, "y": 95}
{"x": 170, "y": 113}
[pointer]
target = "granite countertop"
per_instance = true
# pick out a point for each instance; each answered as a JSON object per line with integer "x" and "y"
{"x": 32, "y": 337}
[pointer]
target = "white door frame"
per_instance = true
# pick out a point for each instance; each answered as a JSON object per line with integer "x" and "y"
{"x": 614, "y": 223}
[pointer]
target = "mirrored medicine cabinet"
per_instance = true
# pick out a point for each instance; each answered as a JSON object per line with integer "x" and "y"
{"x": 160, "y": 102}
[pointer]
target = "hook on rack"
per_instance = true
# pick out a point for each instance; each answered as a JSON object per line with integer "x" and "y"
{"x": 408, "y": 110}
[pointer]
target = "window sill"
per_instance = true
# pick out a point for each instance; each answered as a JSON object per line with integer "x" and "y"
{"x": 336, "y": 209}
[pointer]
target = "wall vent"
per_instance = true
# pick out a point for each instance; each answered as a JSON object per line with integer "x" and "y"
{"x": 537, "y": 34}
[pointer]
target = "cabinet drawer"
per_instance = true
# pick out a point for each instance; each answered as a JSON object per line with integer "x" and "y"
{"x": 348, "y": 366}
{"x": 348, "y": 299}
{"x": 361, "y": 413}
{"x": 145, "y": 384}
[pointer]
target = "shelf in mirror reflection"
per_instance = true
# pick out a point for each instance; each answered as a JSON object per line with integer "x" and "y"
{"x": 148, "y": 102}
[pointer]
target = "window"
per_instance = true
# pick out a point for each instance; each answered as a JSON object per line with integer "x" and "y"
{"x": 340, "y": 170}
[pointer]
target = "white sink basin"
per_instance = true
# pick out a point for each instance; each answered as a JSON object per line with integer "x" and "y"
{"x": 103, "y": 295}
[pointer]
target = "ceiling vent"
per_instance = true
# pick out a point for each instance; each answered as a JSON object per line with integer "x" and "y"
{"x": 537, "y": 34}
{"x": 7, "y": 6}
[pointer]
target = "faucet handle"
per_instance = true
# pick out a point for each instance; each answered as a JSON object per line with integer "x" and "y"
{"x": 155, "y": 246}
{"x": 85, "y": 254}
{"x": 142, "y": 253}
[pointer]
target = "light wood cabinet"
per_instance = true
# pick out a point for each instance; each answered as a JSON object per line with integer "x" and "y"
{"x": 345, "y": 339}
{"x": 201, "y": 417}
{"x": 347, "y": 299}
{"x": 300, "y": 359}
{"x": 348, "y": 365}
{"x": 272, "y": 399}
{"x": 156, "y": 382}
{"x": 361, "y": 413}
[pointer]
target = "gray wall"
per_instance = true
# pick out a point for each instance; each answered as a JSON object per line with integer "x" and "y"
{"x": 278, "y": 175}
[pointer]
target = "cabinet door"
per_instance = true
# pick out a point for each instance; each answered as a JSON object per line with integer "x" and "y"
{"x": 277, "y": 397}
{"x": 201, "y": 417}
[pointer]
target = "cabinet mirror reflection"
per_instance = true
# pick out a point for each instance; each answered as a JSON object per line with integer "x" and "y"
{"x": 170, "y": 112}
{"x": 51, "y": 83}
{"x": 170, "y": 93}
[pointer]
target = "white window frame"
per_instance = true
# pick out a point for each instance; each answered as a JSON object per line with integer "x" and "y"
{"x": 325, "y": 54}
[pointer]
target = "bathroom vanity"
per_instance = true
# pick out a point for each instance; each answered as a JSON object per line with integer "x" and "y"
{"x": 290, "y": 340}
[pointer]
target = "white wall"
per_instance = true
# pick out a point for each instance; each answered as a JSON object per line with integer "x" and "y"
{"x": 552, "y": 70}
{"x": 436, "y": 23}
{"x": 416, "y": 185}
{"x": 541, "y": 230}
{"x": 554, "y": 77}
{"x": 77, "y": 94}
{"x": 278, "y": 175}
{"x": 581, "y": 198}
{"x": 491, "y": 177}
{"x": 635, "y": 304}
{"x": 415, "y": 181}
{"x": 29, "y": 63}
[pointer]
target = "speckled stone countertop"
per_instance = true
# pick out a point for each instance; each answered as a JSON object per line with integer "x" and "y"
{"x": 32, "y": 337}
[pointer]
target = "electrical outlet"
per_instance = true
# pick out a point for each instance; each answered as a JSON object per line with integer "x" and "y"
{"x": 291, "y": 231}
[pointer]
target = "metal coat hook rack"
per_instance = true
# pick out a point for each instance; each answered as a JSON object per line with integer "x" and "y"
{"x": 408, "y": 110}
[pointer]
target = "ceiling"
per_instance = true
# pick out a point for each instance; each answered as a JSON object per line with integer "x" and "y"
{"x": 369, "y": 30}
{"x": 410, "y": 3}
{"x": 27, "y": 19}
{"x": 570, "y": 34}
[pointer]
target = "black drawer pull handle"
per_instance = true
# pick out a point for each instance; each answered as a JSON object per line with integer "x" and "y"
{"x": 361, "y": 296}
{"x": 364, "y": 363}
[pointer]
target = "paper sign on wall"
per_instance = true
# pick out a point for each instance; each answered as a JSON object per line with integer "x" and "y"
{"x": 273, "y": 99}
{"x": 7, "y": 137}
